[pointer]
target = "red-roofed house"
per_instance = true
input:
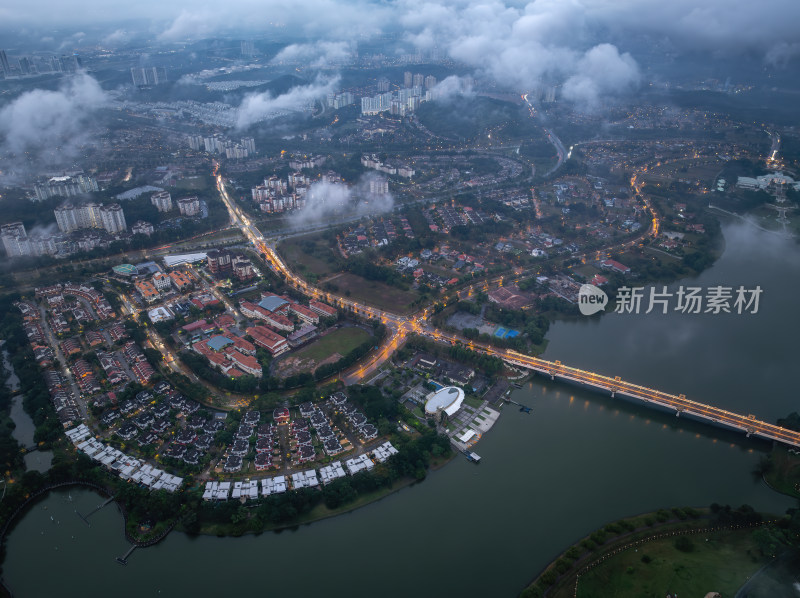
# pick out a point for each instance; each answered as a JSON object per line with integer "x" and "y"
{"x": 266, "y": 338}
{"x": 224, "y": 321}
{"x": 246, "y": 363}
{"x": 326, "y": 311}
{"x": 304, "y": 313}
{"x": 616, "y": 266}
{"x": 243, "y": 346}
{"x": 256, "y": 312}
{"x": 194, "y": 326}
{"x": 280, "y": 322}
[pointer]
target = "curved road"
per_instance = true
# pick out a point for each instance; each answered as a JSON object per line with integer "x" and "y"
{"x": 400, "y": 326}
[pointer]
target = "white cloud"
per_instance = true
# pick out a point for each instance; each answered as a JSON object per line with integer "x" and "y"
{"x": 452, "y": 87}
{"x": 258, "y": 106}
{"x": 193, "y": 24}
{"x": 116, "y": 38}
{"x": 318, "y": 54}
{"x": 329, "y": 201}
{"x": 46, "y": 126}
{"x": 601, "y": 71}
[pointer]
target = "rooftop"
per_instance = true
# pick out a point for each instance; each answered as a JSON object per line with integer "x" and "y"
{"x": 448, "y": 399}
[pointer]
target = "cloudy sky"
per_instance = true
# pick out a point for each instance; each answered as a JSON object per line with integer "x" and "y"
{"x": 579, "y": 43}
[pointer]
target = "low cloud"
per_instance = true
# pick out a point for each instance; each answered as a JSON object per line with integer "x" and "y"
{"x": 256, "y": 107}
{"x": 317, "y": 55}
{"x": 192, "y": 24}
{"x": 47, "y": 127}
{"x": 451, "y": 88}
{"x": 780, "y": 54}
{"x": 116, "y": 38}
{"x": 602, "y": 71}
{"x": 331, "y": 201}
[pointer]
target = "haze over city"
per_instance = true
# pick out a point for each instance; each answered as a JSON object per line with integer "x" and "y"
{"x": 509, "y": 283}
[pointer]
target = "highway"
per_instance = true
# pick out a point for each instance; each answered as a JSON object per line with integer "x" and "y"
{"x": 399, "y": 327}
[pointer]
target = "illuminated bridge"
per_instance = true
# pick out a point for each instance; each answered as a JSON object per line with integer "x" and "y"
{"x": 679, "y": 404}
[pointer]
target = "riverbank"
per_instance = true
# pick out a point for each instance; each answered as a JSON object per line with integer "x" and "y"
{"x": 318, "y": 513}
{"x": 781, "y": 471}
{"x": 681, "y": 551}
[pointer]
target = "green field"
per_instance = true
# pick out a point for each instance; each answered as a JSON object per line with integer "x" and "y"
{"x": 340, "y": 341}
{"x": 374, "y": 293}
{"x": 198, "y": 183}
{"x": 473, "y": 402}
{"x": 719, "y": 561}
{"x": 308, "y": 254}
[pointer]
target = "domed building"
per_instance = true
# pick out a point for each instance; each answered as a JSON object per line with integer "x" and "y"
{"x": 446, "y": 401}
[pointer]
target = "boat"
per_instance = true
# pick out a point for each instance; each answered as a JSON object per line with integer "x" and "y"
{"x": 474, "y": 457}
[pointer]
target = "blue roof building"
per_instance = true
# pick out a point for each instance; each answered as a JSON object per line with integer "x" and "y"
{"x": 272, "y": 302}
{"x": 219, "y": 342}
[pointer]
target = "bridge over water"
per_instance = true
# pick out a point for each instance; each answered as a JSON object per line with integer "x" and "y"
{"x": 678, "y": 404}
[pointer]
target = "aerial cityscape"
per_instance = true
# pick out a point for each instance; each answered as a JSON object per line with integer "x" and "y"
{"x": 336, "y": 297}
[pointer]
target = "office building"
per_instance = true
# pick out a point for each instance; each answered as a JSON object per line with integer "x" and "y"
{"x": 113, "y": 218}
{"x": 378, "y": 186}
{"x": 249, "y": 144}
{"x": 15, "y": 239}
{"x": 189, "y": 206}
{"x": 65, "y": 186}
{"x": 196, "y": 142}
{"x": 25, "y": 66}
{"x": 148, "y": 76}
{"x": 70, "y": 64}
{"x": 91, "y": 215}
{"x": 219, "y": 261}
{"x": 162, "y": 201}
{"x": 213, "y": 144}
{"x": 4, "y": 62}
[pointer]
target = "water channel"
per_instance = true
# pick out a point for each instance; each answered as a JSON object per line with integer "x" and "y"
{"x": 24, "y": 428}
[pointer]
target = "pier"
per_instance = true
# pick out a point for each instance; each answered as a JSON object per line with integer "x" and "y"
{"x": 123, "y": 560}
{"x": 523, "y": 408}
{"x": 86, "y": 517}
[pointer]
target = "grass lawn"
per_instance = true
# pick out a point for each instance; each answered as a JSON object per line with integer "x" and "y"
{"x": 197, "y": 183}
{"x": 722, "y": 564}
{"x": 587, "y": 270}
{"x": 340, "y": 341}
{"x": 297, "y": 255}
{"x": 785, "y": 474}
{"x": 473, "y": 402}
{"x": 374, "y": 293}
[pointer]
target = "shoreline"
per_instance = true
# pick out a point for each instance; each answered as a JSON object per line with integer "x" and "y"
{"x": 369, "y": 499}
{"x": 588, "y": 558}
